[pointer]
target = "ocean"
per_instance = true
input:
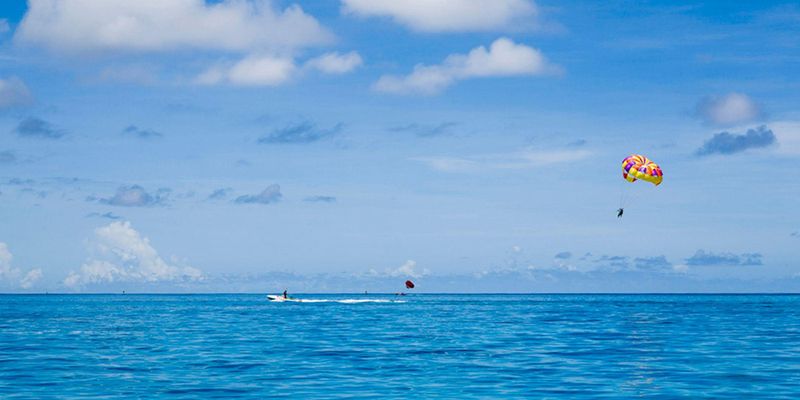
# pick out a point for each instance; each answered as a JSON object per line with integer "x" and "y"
{"x": 416, "y": 346}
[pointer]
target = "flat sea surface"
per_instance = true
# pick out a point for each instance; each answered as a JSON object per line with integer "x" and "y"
{"x": 427, "y": 346}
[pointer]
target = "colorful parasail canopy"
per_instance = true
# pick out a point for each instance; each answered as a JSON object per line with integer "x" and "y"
{"x": 637, "y": 166}
{"x": 409, "y": 285}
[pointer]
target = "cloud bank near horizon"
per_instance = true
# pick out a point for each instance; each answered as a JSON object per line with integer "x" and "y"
{"x": 121, "y": 254}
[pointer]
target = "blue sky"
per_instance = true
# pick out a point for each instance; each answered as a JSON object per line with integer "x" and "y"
{"x": 350, "y": 145}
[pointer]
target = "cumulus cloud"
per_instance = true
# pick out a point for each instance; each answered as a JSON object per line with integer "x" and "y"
{"x": 133, "y": 130}
{"x": 121, "y": 254}
{"x": 703, "y": 258}
{"x": 135, "y": 196}
{"x": 423, "y": 130}
{"x": 31, "y": 278}
{"x": 446, "y": 15}
{"x": 407, "y": 270}
{"x": 81, "y": 26}
{"x": 727, "y": 110}
{"x": 730, "y": 143}
{"x": 33, "y": 127}
{"x": 255, "y": 39}
{"x": 335, "y": 63}
{"x": 262, "y": 37}
{"x": 5, "y": 262}
{"x": 13, "y": 92}
{"x": 516, "y": 160}
{"x": 303, "y": 132}
{"x": 256, "y": 70}
{"x": 272, "y": 194}
{"x": 503, "y": 58}
{"x": 320, "y": 199}
{"x": 14, "y": 276}
{"x": 274, "y": 70}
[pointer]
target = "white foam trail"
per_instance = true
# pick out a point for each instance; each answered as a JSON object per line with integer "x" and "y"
{"x": 350, "y": 301}
{"x": 353, "y": 301}
{"x": 341, "y": 301}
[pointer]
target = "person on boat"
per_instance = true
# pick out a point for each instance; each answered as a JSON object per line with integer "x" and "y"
{"x": 285, "y": 295}
{"x": 619, "y": 212}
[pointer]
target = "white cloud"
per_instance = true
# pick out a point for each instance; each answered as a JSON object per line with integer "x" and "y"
{"x": 264, "y": 70}
{"x": 728, "y": 110}
{"x": 12, "y": 275}
{"x": 335, "y": 63}
{"x": 6, "y": 271}
{"x": 4, "y": 26}
{"x": 680, "y": 268}
{"x": 13, "y": 92}
{"x": 271, "y": 70}
{"x": 31, "y": 278}
{"x": 503, "y": 58}
{"x": 260, "y": 40}
{"x": 80, "y": 26}
{"x": 122, "y": 254}
{"x": 407, "y": 270}
{"x": 446, "y": 15}
{"x": 516, "y": 160}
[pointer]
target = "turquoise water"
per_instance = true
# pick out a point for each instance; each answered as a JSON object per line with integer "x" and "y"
{"x": 430, "y": 346}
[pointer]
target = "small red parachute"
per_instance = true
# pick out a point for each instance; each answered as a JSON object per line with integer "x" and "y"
{"x": 409, "y": 285}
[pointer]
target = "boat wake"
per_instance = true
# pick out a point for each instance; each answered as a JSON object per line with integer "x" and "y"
{"x": 356, "y": 301}
{"x": 341, "y": 301}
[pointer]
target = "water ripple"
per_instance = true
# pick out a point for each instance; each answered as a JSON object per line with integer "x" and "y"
{"x": 443, "y": 346}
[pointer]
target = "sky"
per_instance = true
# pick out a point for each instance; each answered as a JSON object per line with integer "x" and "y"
{"x": 349, "y": 145}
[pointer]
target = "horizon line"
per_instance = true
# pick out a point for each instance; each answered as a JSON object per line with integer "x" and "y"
{"x": 392, "y": 293}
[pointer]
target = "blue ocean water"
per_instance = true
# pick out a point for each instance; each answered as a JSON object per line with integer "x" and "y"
{"x": 429, "y": 346}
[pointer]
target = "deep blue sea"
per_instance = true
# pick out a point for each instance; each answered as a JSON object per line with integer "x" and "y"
{"x": 428, "y": 346}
